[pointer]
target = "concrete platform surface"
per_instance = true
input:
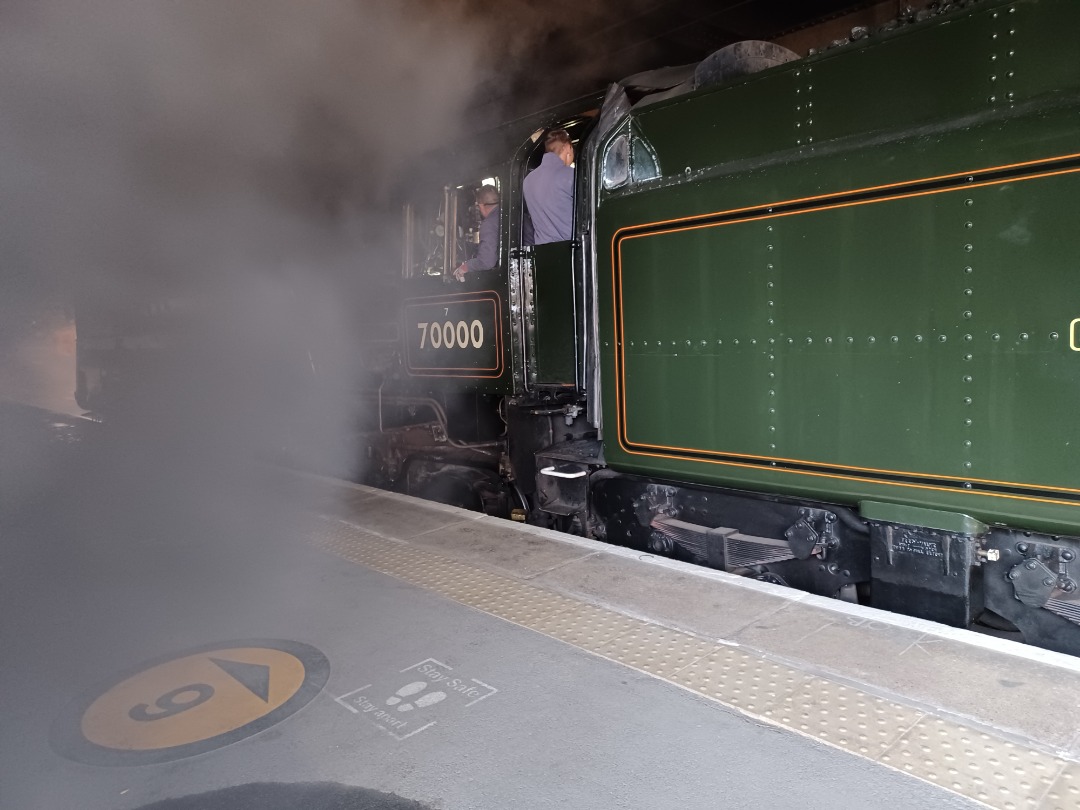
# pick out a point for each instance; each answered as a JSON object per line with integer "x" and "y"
{"x": 987, "y": 718}
{"x": 378, "y": 651}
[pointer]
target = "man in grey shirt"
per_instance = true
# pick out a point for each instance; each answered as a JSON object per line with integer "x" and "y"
{"x": 487, "y": 254}
{"x": 549, "y": 191}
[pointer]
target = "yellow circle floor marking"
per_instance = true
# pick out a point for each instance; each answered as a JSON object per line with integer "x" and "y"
{"x": 190, "y": 703}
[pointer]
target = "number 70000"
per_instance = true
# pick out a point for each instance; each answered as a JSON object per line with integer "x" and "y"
{"x": 450, "y": 335}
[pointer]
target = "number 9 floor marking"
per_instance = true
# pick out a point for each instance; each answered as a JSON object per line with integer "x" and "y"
{"x": 191, "y": 702}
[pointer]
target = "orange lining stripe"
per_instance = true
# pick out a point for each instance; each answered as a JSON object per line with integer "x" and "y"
{"x": 865, "y": 190}
{"x": 832, "y": 207}
{"x": 863, "y": 480}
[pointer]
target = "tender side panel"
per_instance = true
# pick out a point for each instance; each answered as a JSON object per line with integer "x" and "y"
{"x": 841, "y": 340}
{"x": 884, "y": 317}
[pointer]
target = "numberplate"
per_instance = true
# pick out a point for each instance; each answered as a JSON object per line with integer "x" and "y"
{"x": 454, "y": 335}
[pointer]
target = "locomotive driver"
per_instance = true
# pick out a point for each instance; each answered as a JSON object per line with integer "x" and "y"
{"x": 487, "y": 254}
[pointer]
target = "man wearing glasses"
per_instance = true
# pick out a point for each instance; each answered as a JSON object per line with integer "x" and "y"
{"x": 487, "y": 254}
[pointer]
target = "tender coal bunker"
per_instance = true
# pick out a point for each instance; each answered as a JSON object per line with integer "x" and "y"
{"x": 282, "y": 796}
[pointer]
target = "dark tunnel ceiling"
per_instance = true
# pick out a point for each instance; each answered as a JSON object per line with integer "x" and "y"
{"x": 586, "y": 56}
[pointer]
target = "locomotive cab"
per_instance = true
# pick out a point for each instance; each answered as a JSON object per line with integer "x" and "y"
{"x": 491, "y": 367}
{"x": 553, "y": 281}
{"x": 442, "y": 229}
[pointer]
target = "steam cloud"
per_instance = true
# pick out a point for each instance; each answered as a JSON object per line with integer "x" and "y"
{"x": 157, "y": 141}
{"x": 233, "y": 160}
{"x": 236, "y": 152}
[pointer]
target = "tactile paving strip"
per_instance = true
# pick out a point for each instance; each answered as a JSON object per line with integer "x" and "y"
{"x": 586, "y": 626}
{"x": 967, "y": 761}
{"x": 656, "y": 650}
{"x": 521, "y": 605}
{"x": 846, "y": 717}
{"x": 1065, "y": 792}
{"x": 747, "y": 682}
{"x": 974, "y": 764}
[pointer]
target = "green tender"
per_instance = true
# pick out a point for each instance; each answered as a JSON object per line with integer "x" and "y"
{"x": 858, "y": 276}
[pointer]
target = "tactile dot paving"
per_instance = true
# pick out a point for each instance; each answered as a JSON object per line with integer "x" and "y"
{"x": 845, "y": 717}
{"x": 500, "y": 596}
{"x": 586, "y": 626}
{"x": 418, "y": 567}
{"x": 1064, "y": 793}
{"x": 434, "y": 572}
{"x": 972, "y": 763}
{"x": 656, "y": 650}
{"x": 477, "y": 591}
{"x": 466, "y": 586}
{"x": 522, "y": 604}
{"x": 747, "y": 682}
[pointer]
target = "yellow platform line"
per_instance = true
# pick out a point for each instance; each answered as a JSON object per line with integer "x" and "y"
{"x": 968, "y": 761}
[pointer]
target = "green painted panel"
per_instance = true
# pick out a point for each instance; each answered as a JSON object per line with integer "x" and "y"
{"x": 867, "y": 310}
{"x": 695, "y": 320}
{"x": 784, "y": 315}
{"x": 1024, "y": 289}
{"x": 969, "y": 69}
{"x": 735, "y": 122}
{"x": 1035, "y": 49}
{"x": 851, "y": 336}
{"x": 920, "y": 74}
{"x": 730, "y": 411}
{"x": 553, "y": 301}
{"x": 1051, "y": 132}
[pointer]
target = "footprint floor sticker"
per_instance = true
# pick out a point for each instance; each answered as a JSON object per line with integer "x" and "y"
{"x": 420, "y": 697}
{"x": 410, "y": 689}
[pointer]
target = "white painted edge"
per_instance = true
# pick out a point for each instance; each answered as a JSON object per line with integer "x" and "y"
{"x": 435, "y": 506}
{"x": 977, "y": 640}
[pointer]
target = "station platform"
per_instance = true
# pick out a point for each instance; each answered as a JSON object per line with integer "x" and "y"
{"x": 400, "y": 653}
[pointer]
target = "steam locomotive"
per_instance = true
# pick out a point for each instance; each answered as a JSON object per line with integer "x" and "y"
{"x": 819, "y": 323}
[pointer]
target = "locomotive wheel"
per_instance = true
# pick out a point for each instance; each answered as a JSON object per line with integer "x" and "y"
{"x": 995, "y": 622}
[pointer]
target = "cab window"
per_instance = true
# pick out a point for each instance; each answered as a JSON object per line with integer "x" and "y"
{"x": 442, "y": 230}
